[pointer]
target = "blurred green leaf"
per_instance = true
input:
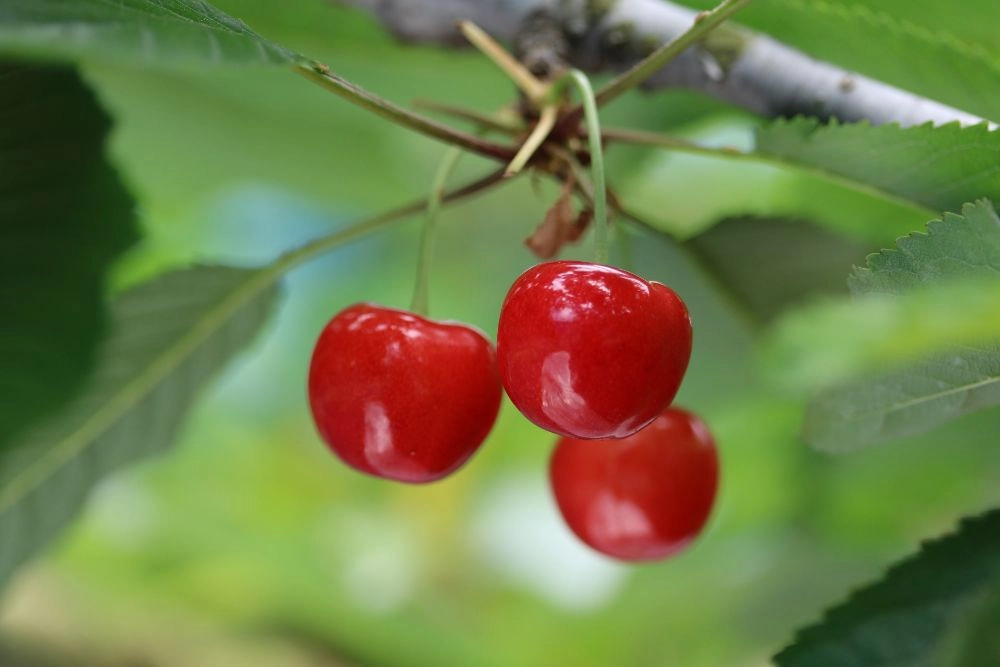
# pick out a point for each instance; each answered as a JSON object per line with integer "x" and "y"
{"x": 945, "y": 51}
{"x": 973, "y": 19}
{"x": 940, "y": 167}
{"x": 767, "y": 264}
{"x": 923, "y": 60}
{"x": 906, "y": 617}
{"x": 904, "y": 402}
{"x": 148, "y": 33}
{"x": 836, "y": 341}
{"x": 168, "y": 338}
{"x": 978, "y": 643}
{"x": 962, "y": 377}
{"x": 685, "y": 194}
{"x": 64, "y": 218}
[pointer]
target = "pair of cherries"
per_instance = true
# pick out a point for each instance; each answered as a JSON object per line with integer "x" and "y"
{"x": 589, "y": 352}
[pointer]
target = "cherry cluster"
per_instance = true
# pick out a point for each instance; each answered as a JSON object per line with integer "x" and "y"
{"x": 589, "y": 352}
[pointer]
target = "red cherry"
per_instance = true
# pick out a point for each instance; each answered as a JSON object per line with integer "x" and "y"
{"x": 591, "y": 351}
{"x": 399, "y": 396}
{"x": 639, "y": 498}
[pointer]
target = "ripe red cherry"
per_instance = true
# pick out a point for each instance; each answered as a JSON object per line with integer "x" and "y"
{"x": 639, "y": 498}
{"x": 591, "y": 351}
{"x": 402, "y": 397}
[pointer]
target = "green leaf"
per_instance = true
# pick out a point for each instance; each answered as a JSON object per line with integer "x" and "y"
{"x": 17, "y": 656}
{"x": 944, "y": 51}
{"x": 951, "y": 382}
{"x": 169, "y": 336}
{"x": 144, "y": 33}
{"x": 957, "y": 246}
{"x": 684, "y": 193}
{"x": 907, "y": 618}
{"x": 978, "y": 643}
{"x": 974, "y": 20}
{"x": 904, "y": 402}
{"x": 837, "y": 341}
{"x": 64, "y": 218}
{"x": 768, "y": 264}
{"x": 922, "y": 60}
{"x": 940, "y": 167}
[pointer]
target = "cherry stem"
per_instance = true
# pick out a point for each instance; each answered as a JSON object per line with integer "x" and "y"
{"x": 546, "y": 121}
{"x": 421, "y": 289}
{"x": 320, "y": 74}
{"x": 529, "y": 84}
{"x": 601, "y": 222}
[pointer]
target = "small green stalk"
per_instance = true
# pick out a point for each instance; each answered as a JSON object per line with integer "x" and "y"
{"x": 601, "y": 222}
{"x": 421, "y": 288}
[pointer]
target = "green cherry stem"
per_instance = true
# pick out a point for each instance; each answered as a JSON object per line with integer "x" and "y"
{"x": 421, "y": 288}
{"x": 601, "y": 223}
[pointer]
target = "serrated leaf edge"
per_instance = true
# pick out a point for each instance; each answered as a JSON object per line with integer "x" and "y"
{"x": 809, "y": 126}
{"x": 834, "y": 613}
{"x": 933, "y": 228}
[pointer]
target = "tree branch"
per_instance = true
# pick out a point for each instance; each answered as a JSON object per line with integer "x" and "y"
{"x": 743, "y": 68}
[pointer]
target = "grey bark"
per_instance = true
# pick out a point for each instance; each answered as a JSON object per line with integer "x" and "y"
{"x": 745, "y": 69}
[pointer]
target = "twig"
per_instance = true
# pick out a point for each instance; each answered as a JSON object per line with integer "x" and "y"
{"x": 757, "y": 73}
{"x": 532, "y": 88}
{"x": 482, "y": 120}
{"x": 538, "y": 135}
{"x": 320, "y": 74}
{"x": 703, "y": 24}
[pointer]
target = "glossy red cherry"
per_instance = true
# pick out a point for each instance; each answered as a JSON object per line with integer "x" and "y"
{"x": 591, "y": 351}
{"x": 639, "y": 498}
{"x": 402, "y": 397}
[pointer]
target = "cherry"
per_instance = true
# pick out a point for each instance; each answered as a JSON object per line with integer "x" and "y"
{"x": 400, "y": 396}
{"x": 591, "y": 351}
{"x": 644, "y": 497}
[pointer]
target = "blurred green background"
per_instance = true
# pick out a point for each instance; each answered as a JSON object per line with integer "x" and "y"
{"x": 250, "y": 545}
